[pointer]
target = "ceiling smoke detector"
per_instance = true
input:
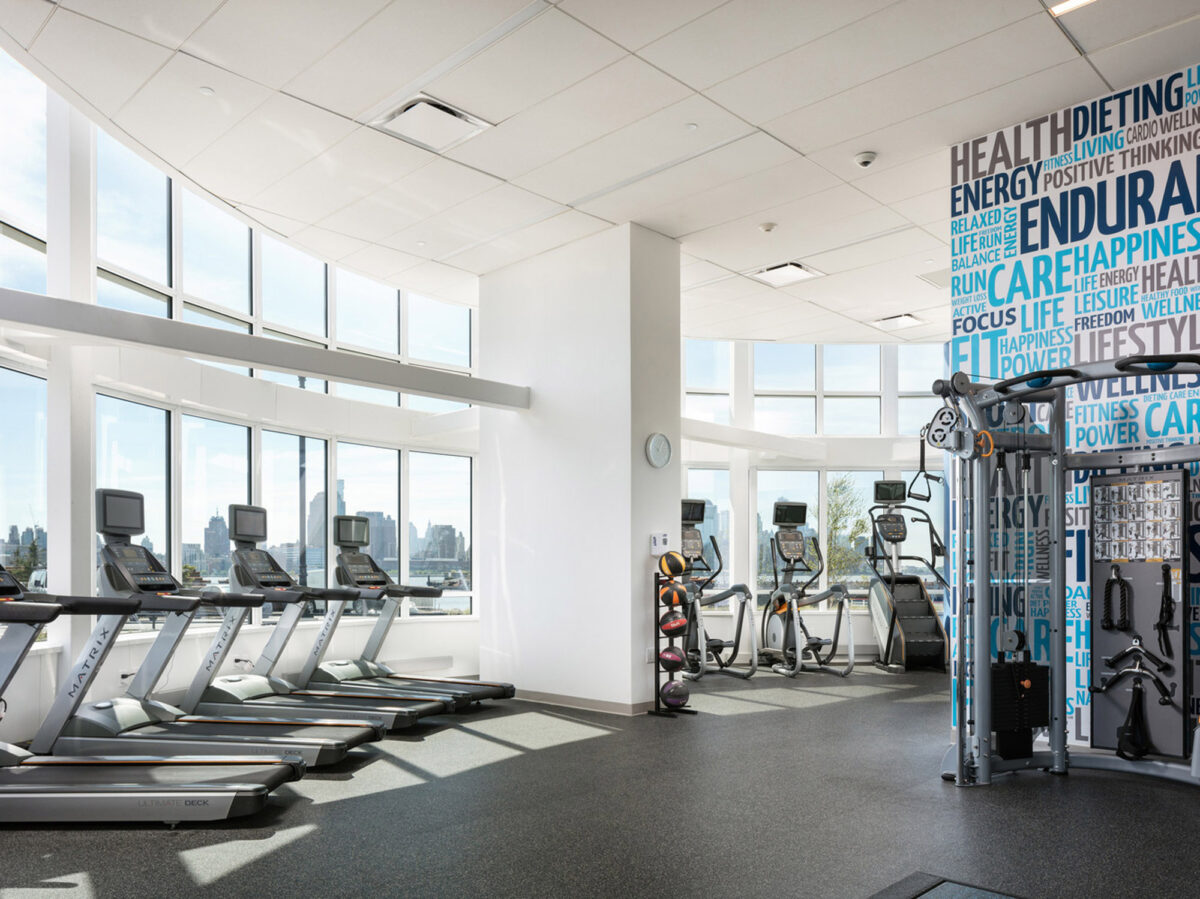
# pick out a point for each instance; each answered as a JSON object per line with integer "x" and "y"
{"x": 897, "y": 322}
{"x": 785, "y": 274}
{"x": 431, "y": 124}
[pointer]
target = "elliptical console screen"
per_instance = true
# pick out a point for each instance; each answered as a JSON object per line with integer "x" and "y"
{"x": 693, "y": 511}
{"x": 889, "y": 493}
{"x": 790, "y": 514}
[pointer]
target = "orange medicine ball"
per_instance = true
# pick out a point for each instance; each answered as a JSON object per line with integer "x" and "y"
{"x": 672, "y": 594}
{"x": 672, "y": 564}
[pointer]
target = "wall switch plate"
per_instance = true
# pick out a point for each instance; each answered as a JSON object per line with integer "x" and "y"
{"x": 649, "y": 655}
{"x": 659, "y": 543}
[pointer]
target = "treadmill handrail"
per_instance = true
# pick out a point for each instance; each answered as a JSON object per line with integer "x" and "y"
{"x": 16, "y": 611}
{"x": 88, "y": 605}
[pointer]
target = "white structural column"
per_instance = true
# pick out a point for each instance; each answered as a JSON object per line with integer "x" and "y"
{"x": 566, "y": 501}
{"x": 70, "y": 272}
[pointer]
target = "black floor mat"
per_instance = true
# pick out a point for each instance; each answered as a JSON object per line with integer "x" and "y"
{"x": 930, "y": 886}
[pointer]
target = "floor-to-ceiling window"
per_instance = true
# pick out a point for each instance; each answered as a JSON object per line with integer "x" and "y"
{"x": 24, "y": 534}
{"x": 439, "y": 529}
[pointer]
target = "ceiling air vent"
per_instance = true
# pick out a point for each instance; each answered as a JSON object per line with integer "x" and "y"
{"x": 431, "y": 124}
{"x": 939, "y": 279}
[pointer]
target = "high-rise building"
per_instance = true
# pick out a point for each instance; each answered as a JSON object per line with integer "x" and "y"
{"x": 383, "y": 535}
{"x": 216, "y": 537}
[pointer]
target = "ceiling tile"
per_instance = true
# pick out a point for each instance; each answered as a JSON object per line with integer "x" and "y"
{"x": 803, "y": 227}
{"x": 909, "y": 178}
{"x": 443, "y": 281}
{"x": 877, "y": 250}
{"x": 258, "y": 40}
{"x": 744, "y": 196}
{"x": 637, "y": 149}
{"x": 171, "y": 117}
{"x": 529, "y": 241}
{"x": 893, "y": 37}
{"x": 635, "y": 23}
{"x": 394, "y": 48}
{"x": 280, "y": 224}
{"x": 23, "y": 18}
{"x": 380, "y": 262}
{"x": 733, "y": 287}
{"x": 926, "y": 208}
{"x": 549, "y": 53}
{"x": 1146, "y": 57}
{"x": 743, "y": 33}
{"x": 275, "y": 139}
{"x": 699, "y": 271}
{"x": 750, "y": 154}
{"x": 168, "y": 24}
{"x": 494, "y": 212}
{"x": 103, "y": 65}
{"x": 371, "y": 218}
{"x": 1002, "y": 56}
{"x": 1107, "y": 23}
{"x": 327, "y": 244}
{"x": 624, "y": 92}
{"x": 930, "y": 132}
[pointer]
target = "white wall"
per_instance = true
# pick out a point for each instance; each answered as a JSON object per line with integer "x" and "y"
{"x": 446, "y": 646}
{"x": 566, "y": 501}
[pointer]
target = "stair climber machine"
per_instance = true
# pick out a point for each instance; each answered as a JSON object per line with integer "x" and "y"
{"x": 908, "y": 628}
{"x": 787, "y": 646}
{"x": 261, "y": 691}
{"x": 356, "y": 570}
{"x": 136, "y": 723}
{"x": 698, "y": 646}
{"x": 43, "y": 788}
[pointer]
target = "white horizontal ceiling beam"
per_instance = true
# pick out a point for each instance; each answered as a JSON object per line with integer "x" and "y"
{"x": 99, "y": 325}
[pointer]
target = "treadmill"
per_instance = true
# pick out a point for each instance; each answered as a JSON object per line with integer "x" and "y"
{"x": 138, "y": 724}
{"x": 261, "y": 691}
{"x": 357, "y": 570}
{"x": 122, "y": 788}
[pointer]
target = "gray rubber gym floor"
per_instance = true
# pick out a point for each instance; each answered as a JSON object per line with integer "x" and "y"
{"x": 816, "y": 787}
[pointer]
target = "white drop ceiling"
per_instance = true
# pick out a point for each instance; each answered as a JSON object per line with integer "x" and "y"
{"x": 700, "y": 119}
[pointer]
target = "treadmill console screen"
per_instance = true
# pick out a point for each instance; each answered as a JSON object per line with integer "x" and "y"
{"x": 141, "y": 569}
{"x": 360, "y": 569}
{"x": 889, "y": 493}
{"x": 790, "y": 514}
{"x": 119, "y": 512}
{"x": 247, "y": 524}
{"x": 351, "y": 530}
{"x": 262, "y": 568}
{"x": 693, "y": 511}
{"x": 258, "y": 561}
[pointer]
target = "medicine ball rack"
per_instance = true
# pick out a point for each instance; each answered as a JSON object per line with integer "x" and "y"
{"x": 660, "y": 709}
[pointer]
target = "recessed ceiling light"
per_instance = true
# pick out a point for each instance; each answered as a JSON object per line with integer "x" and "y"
{"x": 420, "y": 243}
{"x": 1066, "y": 6}
{"x": 431, "y": 124}
{"x": 897, "y": 322}
{"x": 691, "y": 126}
{"x": 785, "y": 274}
{"x": 207, "y": 91}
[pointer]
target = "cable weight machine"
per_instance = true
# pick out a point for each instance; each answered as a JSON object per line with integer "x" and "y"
{"x": 1002, "y": 694}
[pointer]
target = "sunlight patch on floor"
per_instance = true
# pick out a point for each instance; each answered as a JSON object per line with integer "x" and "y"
{"x": 720, "y": 704}
{"x": 851, "y": 691}
{"x": 208, "y": 864}
{"x": 448, "y": 752}
{"x": 319, "y": 791}
{"x": 64, "y": 886}
{"x": 782, "y": 697}
{"x": 533, "y": 730}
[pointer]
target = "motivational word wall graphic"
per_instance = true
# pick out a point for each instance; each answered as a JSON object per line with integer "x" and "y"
{"x": 1075, "y": 237}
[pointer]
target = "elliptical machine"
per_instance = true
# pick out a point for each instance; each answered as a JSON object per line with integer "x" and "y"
{"x": 786, "y": 642}
{"x": 698, "y": 646}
